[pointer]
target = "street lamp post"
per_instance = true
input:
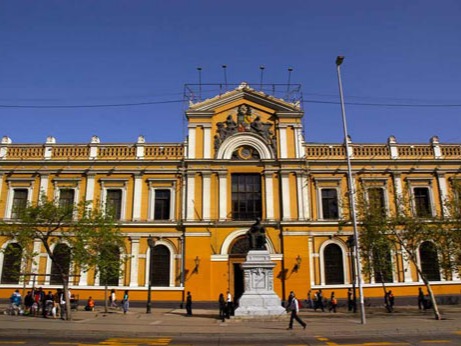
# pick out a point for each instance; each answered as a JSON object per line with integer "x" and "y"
{"x": 350, "y": 244}
{"x": 151, "y": 243}
{"x": 358, "y": 274}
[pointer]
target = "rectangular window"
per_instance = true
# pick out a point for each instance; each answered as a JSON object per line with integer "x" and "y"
{"x": 114, "y": 203}
{"x": 162, "y": 204}
{"x": 19, "y": 202}
{"x": 246, "y": 196}
{"x": 66, "y": 199}
{"x": 330, "y": 204}
{"x": 422, "y": 202}
{"x": 376, "y": 200}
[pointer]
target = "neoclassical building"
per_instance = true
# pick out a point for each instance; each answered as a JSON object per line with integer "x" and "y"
{"x": 245, "y": 157}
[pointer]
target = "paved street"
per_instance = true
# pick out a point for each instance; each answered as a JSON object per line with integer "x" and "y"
{"x": 407, "y": 326}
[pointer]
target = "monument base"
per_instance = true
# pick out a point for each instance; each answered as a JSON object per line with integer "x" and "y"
{"x": 259, "y": 298}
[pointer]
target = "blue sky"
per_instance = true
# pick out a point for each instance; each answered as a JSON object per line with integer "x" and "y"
{"x": 113, "y": 52}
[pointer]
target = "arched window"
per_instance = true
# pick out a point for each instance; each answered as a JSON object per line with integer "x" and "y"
{"x": 160, "y": 266}
{"x": 429, "y": 261}
{"x": 333, "y": 262}
{"x": 61, "y": 255}
{"x": 11, "y": 264}
{"x": 110, "y": 273}
{"x": 240, "y": 247}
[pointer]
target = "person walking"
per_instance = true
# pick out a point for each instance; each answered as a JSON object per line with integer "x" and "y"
{"x": 421, "y": 299}
{"x": 222, "y": 307}
{"x": 126, "y": 302}
{"x": 319, "y": 302}
{"x": 189, "y": 304}
{"x": 229, "y": 305}
{"x": 309, "y": 301}
{"x": 113, "y": 299}
{"x": 294, "y": 307}
{"x": 333, "y": 302}
{"x": 350, "y": 300}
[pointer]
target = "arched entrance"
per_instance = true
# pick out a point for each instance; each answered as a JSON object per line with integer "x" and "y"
{"x": 237, "y": 256}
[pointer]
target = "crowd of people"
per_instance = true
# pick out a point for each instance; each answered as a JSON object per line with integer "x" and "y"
{"x": 37, "y": 302}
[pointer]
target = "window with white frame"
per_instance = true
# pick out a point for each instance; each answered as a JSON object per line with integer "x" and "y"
{"x": 114, "y": 203}
{"x": 161, "y": 200}
{"x": 113, "y": 196}
{"x": 422, "y": 201}
{"x": 329, "y": 203}
{"x": 328, "y": 198}
{"x": 20, "y": 197}
{"x": 162, "y": 204}
{"x": 377, "y": 200}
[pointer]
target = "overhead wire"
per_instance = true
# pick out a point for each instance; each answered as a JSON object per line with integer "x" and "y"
{"x": 135, "y": 104}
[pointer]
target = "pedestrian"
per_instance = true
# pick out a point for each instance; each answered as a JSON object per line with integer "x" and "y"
{"x": 389, "y": 301}
{"x": 421, "y": 299}
{"x": 113, "y": 299}
{"x": 350, "y": 300}
{"x": 126, "y": 302}
{"x": 222, "y": 307}
{"x": 294, "y": 307}
{"x": 309, "y": 302}
{"x": 319, "y": 301}
{"x": 333, "y": 302}
{"x": 288, "y": 303}
{"x": 90, "y": 304}
{"x": 49, "y": 304}
{"x": 62, "y": 304}
{"x": 28, "y": 302}
{"x": 229, "y": 305}
{"x": 16, "y": 301}
{"x": 189, "y": 304}
{"x": 39, "y": 297}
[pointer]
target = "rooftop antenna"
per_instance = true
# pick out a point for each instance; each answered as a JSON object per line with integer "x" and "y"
{"x": 290, "y": 69}
{"x": 224, "y": 67}
{"x": 199, "y": 69}
{"x": 262, "y": 75}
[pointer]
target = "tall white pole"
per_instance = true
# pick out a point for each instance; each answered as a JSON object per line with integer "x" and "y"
{"x": 351, "y": 184}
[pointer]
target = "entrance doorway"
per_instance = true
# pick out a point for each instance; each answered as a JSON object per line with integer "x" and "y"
{"x": 238, "y": 282}
{"x": 237, "y": 256}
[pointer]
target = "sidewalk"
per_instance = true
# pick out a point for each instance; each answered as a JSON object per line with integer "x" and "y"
{"x": 164, "y": 321}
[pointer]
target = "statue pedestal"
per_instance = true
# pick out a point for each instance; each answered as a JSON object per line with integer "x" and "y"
{"x": 259, "y": 298}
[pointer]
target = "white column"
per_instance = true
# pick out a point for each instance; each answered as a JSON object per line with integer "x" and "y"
{"x": 310, "y": 246}
{"x": 283, "y": 143}
{"x": 222, "y": 196}
{"x": 442, "y": 181}
{"x": 303, "y": 201}
{"x": 137, "y": 197}
{"x": 190, "y": 201}
{"x": 89, "y": 189}
{"x": 406, "y": 268}
{"x": 398, "y": 191}
{"x": 207, "y": 141}
{"x": 299, "y": 142}
{"x": 83, "y": 280}
{"x": 36, "y": 260}
{"x": 286, "y": 214}
{"x": 134, "y": 261}
{"x": 269, "y": 182}
{"x": 206, "y": 196}
{"x": 43, "y": 184}
{"x": 191, "y": 142}
{"x": 1, "y": 184}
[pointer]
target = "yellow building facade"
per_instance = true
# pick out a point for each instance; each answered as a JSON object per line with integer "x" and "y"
{"x": 244, "y": 158}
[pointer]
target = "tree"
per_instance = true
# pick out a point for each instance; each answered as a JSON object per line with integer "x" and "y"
{"x": 52, "y": 224}
{"x": 432, "y": 244}
{"x": 375, "y": 243}
{"x": 98, "y": 246}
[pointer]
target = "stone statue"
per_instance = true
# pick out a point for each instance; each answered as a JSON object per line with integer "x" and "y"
{"x": 257, "y": 236}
